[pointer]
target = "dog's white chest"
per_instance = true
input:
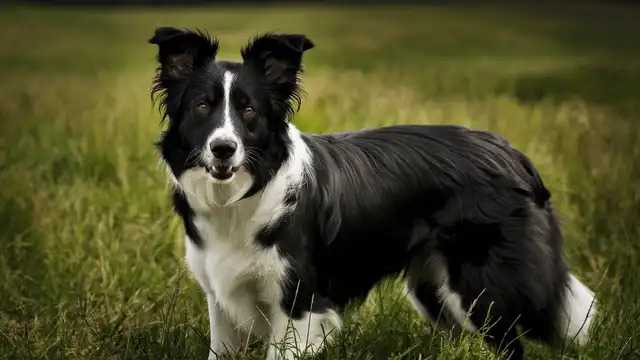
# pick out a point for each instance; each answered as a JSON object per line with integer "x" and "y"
{"x": 244, "y": 277}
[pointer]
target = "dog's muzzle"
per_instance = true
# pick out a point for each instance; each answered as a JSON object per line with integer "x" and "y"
{"x": 223, "y": 151}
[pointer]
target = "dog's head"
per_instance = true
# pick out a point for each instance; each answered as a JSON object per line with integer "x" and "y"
{"x": 227, "y": 118}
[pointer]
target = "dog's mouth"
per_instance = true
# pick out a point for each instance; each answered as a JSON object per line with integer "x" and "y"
{"x": 223, "y": 173}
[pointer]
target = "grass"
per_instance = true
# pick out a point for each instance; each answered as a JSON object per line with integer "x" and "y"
{"x": 91, "y": 255}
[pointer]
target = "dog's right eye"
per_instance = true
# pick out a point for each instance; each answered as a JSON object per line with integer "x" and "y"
{"x": 202, "y": 106}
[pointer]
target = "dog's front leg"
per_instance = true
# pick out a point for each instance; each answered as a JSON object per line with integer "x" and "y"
{"x": 292, "y": 338}
{"x": 224, "y": 337}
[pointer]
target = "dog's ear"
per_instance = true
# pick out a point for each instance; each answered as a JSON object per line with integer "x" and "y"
{"x": 180, "y": 52}
{"x": 278, "y": 57}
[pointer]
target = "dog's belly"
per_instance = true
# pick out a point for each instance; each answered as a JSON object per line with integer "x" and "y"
{"x": 243, "y": 279}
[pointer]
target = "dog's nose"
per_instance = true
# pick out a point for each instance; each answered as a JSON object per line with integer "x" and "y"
{"x": 223, "y": 149}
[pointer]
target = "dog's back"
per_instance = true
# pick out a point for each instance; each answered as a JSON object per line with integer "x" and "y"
{"x": 465, "y": 214}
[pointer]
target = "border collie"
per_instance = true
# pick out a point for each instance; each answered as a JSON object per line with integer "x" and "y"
{"x": 283, "y": 228}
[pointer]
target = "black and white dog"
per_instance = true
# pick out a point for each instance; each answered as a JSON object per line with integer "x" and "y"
{"x": 283, "y": 229}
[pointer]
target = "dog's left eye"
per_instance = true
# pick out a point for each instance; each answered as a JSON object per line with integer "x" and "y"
{"x": 248, "y": 113}
{"x": 202, "y": 106}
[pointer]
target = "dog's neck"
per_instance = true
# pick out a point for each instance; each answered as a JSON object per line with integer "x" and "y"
{"x": 224, "y": 203}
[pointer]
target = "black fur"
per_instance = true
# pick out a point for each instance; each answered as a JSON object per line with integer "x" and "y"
{"x": 378, "y": 202}
{"x": 384, "y": 200}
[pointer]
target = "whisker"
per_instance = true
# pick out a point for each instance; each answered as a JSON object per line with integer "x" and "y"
{"x": 193, "y": 155}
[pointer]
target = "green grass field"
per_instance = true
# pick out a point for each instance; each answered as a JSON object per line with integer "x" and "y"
{"x": 91, "y": 255}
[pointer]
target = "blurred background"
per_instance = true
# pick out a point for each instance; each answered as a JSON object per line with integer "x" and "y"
{"x": 91, "y": 253}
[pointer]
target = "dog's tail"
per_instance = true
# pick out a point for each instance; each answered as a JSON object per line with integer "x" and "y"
{"x": 577, "y": 312}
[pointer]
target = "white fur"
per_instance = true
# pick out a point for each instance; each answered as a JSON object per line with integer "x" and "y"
{"x": 578, "y": 311}
{"x": 434, "y": 271}
{"x": 452, "y": 301}
{"x": 243, "y": 280}
{"x": 292, "y": 338}
{"x": 225, "y": 132}
{"x": 203, "y": 192}
{"x": 417, "y": 304}
{"x": 290, "y": 175}
{"x": 228, "y": 79}
{"x": 224, "y": 336}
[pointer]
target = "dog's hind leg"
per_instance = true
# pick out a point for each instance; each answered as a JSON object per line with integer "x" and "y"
{"x": 428, "y": 286}
{"x": 429, "y": 291}
{"x": 448, "y": 308}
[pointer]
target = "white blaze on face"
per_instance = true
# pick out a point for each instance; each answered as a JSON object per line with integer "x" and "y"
{"x": 227, "y": 80}
{"x": 227, "y": 131}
